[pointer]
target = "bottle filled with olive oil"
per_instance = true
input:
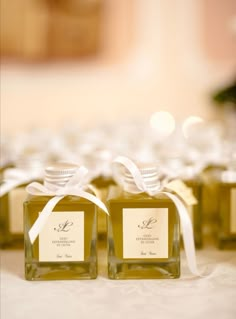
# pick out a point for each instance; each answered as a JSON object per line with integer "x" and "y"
{"x": 143, "y": 230}
{"x": 14, "y": 181}
{"x": 227, "y": 208}
{"x": 66, "y": 247}
{"x": 102, "y": 184}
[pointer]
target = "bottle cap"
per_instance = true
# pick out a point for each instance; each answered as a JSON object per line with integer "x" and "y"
{"x": 60, "y": 173}
{"x": 150, "y": 176}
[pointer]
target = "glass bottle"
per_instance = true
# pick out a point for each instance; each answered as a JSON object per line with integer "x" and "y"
{"x": 6, "y": 158}
{"x": 227, "y": 208}
{"x": 11, "y": 203}
{"x": 143, "y": 231}
{"x": 99, "y": 162}
{"x": 5, "y": 163}
{"x": 102, "y": 184}
{"x": 210, "y": 195}
{"x": 66, "y": 248}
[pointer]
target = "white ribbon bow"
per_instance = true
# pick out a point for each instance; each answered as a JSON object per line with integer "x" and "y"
{"x": 14, "y": 177}
{"x": 75, "y": 187}
{"x": 182, "y": 210}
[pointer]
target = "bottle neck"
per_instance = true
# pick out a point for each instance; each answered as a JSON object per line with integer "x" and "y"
{"x": 59, "y": 174}
{"x": 151, "y": 182}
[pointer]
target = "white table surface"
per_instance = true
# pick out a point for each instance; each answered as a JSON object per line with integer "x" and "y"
{"x": 211, "y": 297}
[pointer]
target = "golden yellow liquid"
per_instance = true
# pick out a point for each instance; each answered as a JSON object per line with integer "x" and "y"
{"x": 196, "y": 186}
{"x": 8, "y": 238}
{"x": 226, "y": 238}
{"x": 102, "y": 185}
{"x": 210, "y": 196}
{"x": 140, "y": 268}
{"x": 37, "y": 270}
{"x": 4, "y": 222}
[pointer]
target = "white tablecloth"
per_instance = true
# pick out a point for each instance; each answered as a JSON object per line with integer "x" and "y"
{"x": 188, "y": 297}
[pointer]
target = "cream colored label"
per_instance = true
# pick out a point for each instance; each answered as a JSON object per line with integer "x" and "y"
{"x": 183, "y": 191}
{"x": 17, "y": 197}
{"x": 145, "y": 233}
{"x": 62, "y": 238}
{"x": 233, "y": 210}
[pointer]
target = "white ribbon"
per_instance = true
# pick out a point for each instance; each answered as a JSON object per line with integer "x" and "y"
{"x": 14, "y": 177}
{"x": 75, "y": 187}
{"x": 182, "y": 210}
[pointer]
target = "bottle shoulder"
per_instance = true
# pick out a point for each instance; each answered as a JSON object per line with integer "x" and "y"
{"x": 117, "y": 194}
{"x": 33, "y": 199}
{"x": 229, "y": 185}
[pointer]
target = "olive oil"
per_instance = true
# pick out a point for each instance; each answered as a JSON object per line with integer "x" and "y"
{"x": 4, "y": 221}
{"x": 11, "y": 203}
{"x": 143, "y": 233}
{"x": 210, "y": 199}
{"x": 66, "y": 248}
{"x": 102, "y": 185}
{"x": 11, "y": 206}
{"x": 227, "y": 211}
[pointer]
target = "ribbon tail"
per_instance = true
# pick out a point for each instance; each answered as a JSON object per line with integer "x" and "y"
{"x": 187, "y": 230}
{"x": 42, "y": 219}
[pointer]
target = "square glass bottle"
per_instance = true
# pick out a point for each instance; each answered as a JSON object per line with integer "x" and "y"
{"x": 102, "y": 185}
{"x": 4, "y": 221}
{"x": 11, "y": 225}
{"x": 227, "y": 211}
{"x": 66, "y": 248}
{"x": 143, "y": 233}
{"x": 11, "y": 203}
{"x": 211, "y": 176}
{"x": 99, "y": 160}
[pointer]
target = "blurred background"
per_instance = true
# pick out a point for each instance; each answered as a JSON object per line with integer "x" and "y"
{"x": 92, "y": 62}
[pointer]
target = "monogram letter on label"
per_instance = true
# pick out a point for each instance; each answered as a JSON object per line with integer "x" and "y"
{"x": 64, "y": 227}
{"x": 148, "y": 223}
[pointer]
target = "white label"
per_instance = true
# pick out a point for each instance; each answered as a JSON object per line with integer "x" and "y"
{"x": 17, "y": 197}
{"x": 145, "y": 233}
{"x": 233, "y": 210}
{"x": 62, "y": 238}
